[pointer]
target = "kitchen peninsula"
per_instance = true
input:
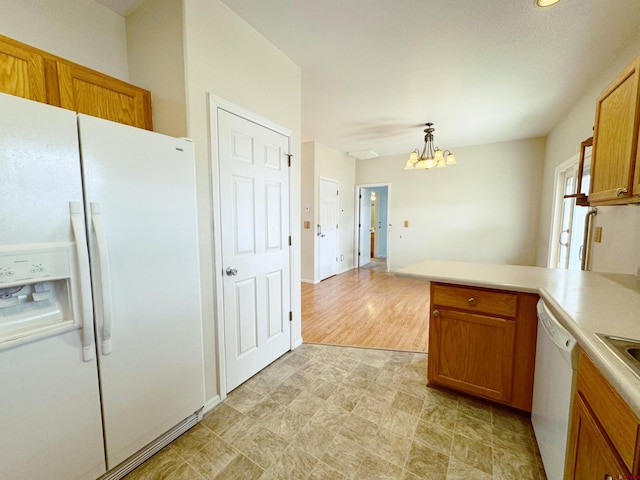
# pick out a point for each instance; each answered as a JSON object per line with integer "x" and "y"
{"x": 482, "y": 319}
{"x": 586, "y": 303}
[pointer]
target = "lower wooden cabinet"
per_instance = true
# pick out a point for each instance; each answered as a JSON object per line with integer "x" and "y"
{"x": 482, "y": 342}
{"x": 604, "y": 434}
{"x": 472, "y": 353}
{"x": 590, "y": 454}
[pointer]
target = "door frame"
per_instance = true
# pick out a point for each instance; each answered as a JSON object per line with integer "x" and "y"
{"x": 356, "y": 243}
{"x": 215, "y": 104}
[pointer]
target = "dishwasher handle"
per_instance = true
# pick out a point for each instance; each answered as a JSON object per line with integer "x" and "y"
{"x": 561, "y": 338}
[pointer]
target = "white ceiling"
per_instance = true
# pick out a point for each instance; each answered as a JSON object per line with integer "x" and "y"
{"x": 374, "y": 71}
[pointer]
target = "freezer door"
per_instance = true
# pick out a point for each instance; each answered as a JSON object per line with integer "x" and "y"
{"x": 141, "y": 212}
{"x": 50, "y": 424}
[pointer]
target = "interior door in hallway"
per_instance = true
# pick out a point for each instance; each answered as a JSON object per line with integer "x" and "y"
{"x": 254, "y": 191}
{"x": 328, "y": 229}
{"x": 364, "y": 228}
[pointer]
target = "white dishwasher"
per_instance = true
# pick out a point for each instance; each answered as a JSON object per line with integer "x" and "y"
{"x": 553, "y": 387}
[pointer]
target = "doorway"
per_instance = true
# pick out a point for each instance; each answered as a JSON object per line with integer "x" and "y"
{"x": 373, "y": 226}
{"x": 569, "y": 246}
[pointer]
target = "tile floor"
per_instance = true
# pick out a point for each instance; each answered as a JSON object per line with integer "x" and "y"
{"x": 326, "y": 412}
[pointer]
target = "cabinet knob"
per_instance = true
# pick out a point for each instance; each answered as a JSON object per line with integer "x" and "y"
{"x": 472, "y": 301}
{"x": 436, "y": 313}
{"x": 620, "y": 191}
{"x": 607, "y": 477}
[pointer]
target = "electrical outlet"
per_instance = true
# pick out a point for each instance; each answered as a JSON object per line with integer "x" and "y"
{"x": 597, "y": 236}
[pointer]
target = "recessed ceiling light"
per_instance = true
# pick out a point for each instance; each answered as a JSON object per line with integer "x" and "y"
{"x": 546, "y": 3}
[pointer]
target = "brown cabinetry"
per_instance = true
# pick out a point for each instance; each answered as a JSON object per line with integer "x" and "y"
{"x": 615, "y": 170}
{"x": 21, "y": 71}
{"x": 604, "y": 432}
{"x": 482, "y": 342}
{"x": 31, "y": 73}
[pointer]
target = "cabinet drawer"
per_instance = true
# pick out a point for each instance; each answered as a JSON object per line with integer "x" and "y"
{"x": 478, "y": 300}
{"x": 618, "y": 422}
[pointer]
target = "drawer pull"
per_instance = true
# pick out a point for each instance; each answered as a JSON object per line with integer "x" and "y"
{"x": 472, "y": 301}
{"x": 436, "y": 313}
{"x": 620, "y": 191}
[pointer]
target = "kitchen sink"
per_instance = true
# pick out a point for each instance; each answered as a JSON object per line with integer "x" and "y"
{"x": 626, "y": 349}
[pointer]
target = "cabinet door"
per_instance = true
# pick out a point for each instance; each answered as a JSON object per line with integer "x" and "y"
{"x": 21, "y": 71}
{"x": 590, "y": 454}
{"x": 86, "y": 91}
{"x": 472, "y": 353}
{"x": 615, "y": 140}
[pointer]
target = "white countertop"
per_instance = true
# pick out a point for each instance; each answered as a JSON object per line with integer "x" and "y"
{"x": 586, "y": 303}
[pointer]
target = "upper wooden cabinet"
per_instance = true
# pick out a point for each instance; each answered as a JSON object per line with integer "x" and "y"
{"x": 482, "y": 342}
{"x": 31, "y": 73}
{"x": 615, "y": 171}
{"x": 21, "y": 71}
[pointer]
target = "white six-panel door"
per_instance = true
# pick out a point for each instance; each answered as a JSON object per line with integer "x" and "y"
{"x": 328, "y": 231}
{"x": 254, "y": 191}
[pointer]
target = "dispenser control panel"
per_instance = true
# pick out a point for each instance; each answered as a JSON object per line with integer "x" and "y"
{"x": 32, "y": 265}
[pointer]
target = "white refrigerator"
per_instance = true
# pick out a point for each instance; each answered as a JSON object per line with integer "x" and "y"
{"x": 101, "y": 359}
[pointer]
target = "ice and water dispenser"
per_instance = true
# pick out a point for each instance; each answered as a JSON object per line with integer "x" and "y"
{"x": 36, "y": 292}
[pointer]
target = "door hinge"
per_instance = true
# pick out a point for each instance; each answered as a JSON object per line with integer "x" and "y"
{"x": 336, "y": 227}
{"x": 291, "y": 316}
{"x": 360, "y": 196}
{"x": 289, "y": 240}
{"x": 289, "y": 158}
{"x": 337, "y": 192}
{"x": 358, "y": 253}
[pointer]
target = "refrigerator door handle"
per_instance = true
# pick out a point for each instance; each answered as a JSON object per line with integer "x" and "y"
{"x": 105, "y": 277}
{"x": 88, "y": 345}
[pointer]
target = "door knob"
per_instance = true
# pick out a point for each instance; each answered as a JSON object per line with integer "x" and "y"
{"x": 231, "y": 271}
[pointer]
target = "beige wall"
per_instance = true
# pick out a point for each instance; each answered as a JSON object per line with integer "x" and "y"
{"x": 484, "y": 209}
{"x": 82, "y": 31}
{"x": 156, "y": 62}
{"x": 619, "y": 251}
{"x": 213, "y": 51}
{"x": 308, "y": 202}
{"x": 322, "y": 161}
{"x": 224, "y": 56}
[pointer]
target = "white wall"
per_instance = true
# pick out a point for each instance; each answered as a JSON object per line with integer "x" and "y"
{"x": 484, "y": 209}
{"x": 619, "y": 251}
{"x": 308, "y": 202}
{"x": 226, "y": 57}
{"x": 322, "y": 161}
{"x": 156, "y": 62}
{"x": 330, "y": 163}
{"x": 82, "y": 31}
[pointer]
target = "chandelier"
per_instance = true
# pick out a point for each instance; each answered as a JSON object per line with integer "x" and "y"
{"x": 430, "y": 156}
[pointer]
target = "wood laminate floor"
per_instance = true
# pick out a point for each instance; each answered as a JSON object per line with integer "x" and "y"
{"x": 367, "y": 308}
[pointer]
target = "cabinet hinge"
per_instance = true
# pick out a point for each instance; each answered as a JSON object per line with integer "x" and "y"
{"x": 291, "y": 316}
{"x": 289, "y": 240}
